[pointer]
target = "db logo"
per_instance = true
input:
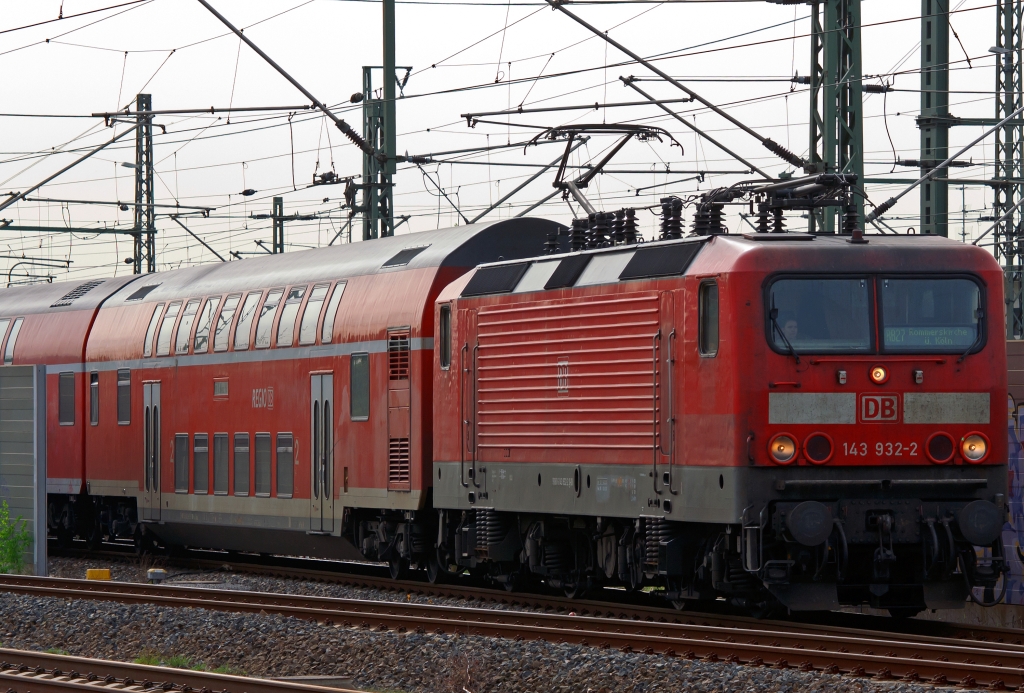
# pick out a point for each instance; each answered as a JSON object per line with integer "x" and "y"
{"x": 879, "y": 407}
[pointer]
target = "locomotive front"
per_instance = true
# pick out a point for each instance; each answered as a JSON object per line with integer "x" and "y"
{"x": 877, "y": 447}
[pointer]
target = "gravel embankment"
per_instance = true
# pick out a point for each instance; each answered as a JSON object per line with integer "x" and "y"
{"x": 273, "y": 646}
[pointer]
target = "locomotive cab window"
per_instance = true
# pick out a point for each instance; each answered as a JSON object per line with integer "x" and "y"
{"x": 147, "y": 347}
{"x": 360, "y": 387}
{"x": 819, "y": 315}
{"x": 445, "y": 334}
{"x": 66, "y": 399}
{"x": 94, "y": 398}
{"x": 931, "y": 314}
{"x": 707, "y": 309}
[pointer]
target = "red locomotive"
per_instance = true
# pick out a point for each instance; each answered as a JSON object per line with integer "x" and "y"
{"x": 760, "y": 417}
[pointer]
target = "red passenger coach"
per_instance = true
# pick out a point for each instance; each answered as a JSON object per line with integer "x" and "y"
{"x": 252, "y": 405}
{"x": 761, "y": 417}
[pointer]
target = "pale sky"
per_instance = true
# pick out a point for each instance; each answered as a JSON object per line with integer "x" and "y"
{"x": 466, "y": 56}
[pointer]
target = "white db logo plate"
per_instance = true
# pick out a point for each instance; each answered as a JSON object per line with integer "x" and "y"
{"x": 876, "y": 408}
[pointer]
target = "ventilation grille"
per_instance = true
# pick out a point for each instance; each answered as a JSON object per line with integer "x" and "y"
{"x": 661, "y": 261}
{"x": 404, "y": 257}
{"x": 398, "y": 463}
{"x": 398, "y": 356}
{"x": 79, "y": 291}
{"x": 495, "y": 280}
{"x": 568, "y": 271}
{"x": 142, "y": 292}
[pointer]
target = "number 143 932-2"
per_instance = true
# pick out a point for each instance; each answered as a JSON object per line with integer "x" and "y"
{"x": 880, "y": 449}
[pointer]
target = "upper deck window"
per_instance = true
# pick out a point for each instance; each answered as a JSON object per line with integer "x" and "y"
{"x": 245, "y": 318}
{"x": 930, "y": 314}
{"x": 817, "y": 316}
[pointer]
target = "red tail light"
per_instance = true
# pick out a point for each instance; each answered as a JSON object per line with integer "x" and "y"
{"x": 818, "y": 448}
{"x": 940, "y": 448}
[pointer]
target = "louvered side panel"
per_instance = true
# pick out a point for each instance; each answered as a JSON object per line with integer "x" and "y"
{"x": 398, "y": 464}
{"x": 576, "y": 376}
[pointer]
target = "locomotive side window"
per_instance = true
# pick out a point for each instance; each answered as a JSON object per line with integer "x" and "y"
{"x": 245, "y": 319}
{"x": 360, "y": 387}
{"x": 227, "y": 314}
{"x": 311, "y": 314}
{"x": 11, "y": 341}
{"x": 332, "y": 313}
{"x": 147, "y": 348}
{"x": 124, "y": 396}
{"x": 265, "y": 325}
{"x": 931, "y": 315}
{"x": 285, "y": 465}
{"x": 202, "y": 340}
{"x": 94, "y": 398}
{"x": 604, "y": 269}
{"x": 66, "y": 399}
{"x": 810, "y": 315}
{"x": 241, "y": 464}
{"x": 286, "y": 326}
{"x": 163, "y": 339}
{"x": 220, "y": 464}
{"x": 445, "y": 335}
{"x": 707, "y": 309}
{"x": 262, "y": 464}
{"x": 181, "y": 463}
{"x": 185, "y": 326}
{"x": 201, "y": 463}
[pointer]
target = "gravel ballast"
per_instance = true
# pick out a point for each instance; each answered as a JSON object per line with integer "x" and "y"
{"x": 274, "y": 646}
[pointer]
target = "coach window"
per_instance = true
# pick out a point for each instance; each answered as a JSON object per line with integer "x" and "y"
{"x": 332, "y": 313}
{"x": 286, "y": 326}
{"x": 227, "y": 314}
{"x": 245, "y": 318}
{"x": 4, "y": 324}
{"x": 285, "y": 465}
{"x": 124, "y": 396}
{"x": 446, "y": 336}
{"x": 94, "y": 398}
{"x": 241, "y": 464}
{"x": 181, "y": 463}
{"x": 708, "y": 323}
{"x": 188, "y": 318}
{"x": 147, "y": 348}
{"x": 311, "y": 314}
{"x": 66, "y": 399}
{"x": 265, "y": 325}
{"x": 201, "y": 463}
{"x": 220, "y": 464}
{"x": 201, "y": 344}
{"x": 11, "y": 341}
{"x": 163, "y": 339}
{"x": 360, "y": 381}
{"x": 262, "y": 455}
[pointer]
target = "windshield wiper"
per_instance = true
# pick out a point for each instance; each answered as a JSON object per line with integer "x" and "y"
{"x": 976, "y": 341}
{"x": 774, "y": 315}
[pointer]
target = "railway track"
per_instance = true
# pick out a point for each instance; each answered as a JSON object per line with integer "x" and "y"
{"x": 861, "y": 653}
{"x": 38, "y": 672}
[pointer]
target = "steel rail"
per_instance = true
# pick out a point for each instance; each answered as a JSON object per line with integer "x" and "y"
{"x": 912, "y": 658}
{"x": 40, "y": 672}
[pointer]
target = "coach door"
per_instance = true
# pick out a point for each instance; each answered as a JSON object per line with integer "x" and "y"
{"x": 151, "y": 451}
{"x": 668, "y": 380}
{"x": 321, "y": 412}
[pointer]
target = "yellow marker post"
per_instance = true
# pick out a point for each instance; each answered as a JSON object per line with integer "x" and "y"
{"x": 97, "y": 574}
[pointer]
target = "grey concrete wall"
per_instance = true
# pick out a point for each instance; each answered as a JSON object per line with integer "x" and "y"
{"x": 23, "y": 454}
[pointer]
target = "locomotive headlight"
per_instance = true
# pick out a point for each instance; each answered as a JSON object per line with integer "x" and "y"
{"x": 782, "y": 449}
{"x": 974, "y": 447}
{"x": 878, "y": 375}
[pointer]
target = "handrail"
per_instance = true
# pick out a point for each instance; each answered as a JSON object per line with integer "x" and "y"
{"x": 655, "y": 443}
{"x": 476, "y": 351}
{"x": 670, "y": 358}
{"x": 462, "y": 414}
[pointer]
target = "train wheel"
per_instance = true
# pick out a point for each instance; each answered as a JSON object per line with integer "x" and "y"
{"x": 435, "y": 573}
{"x": 636, "y": 564}
{"x": 904, "y": 612}
{"x": 145, "y": 542}
{"x": 398, "y": 567}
